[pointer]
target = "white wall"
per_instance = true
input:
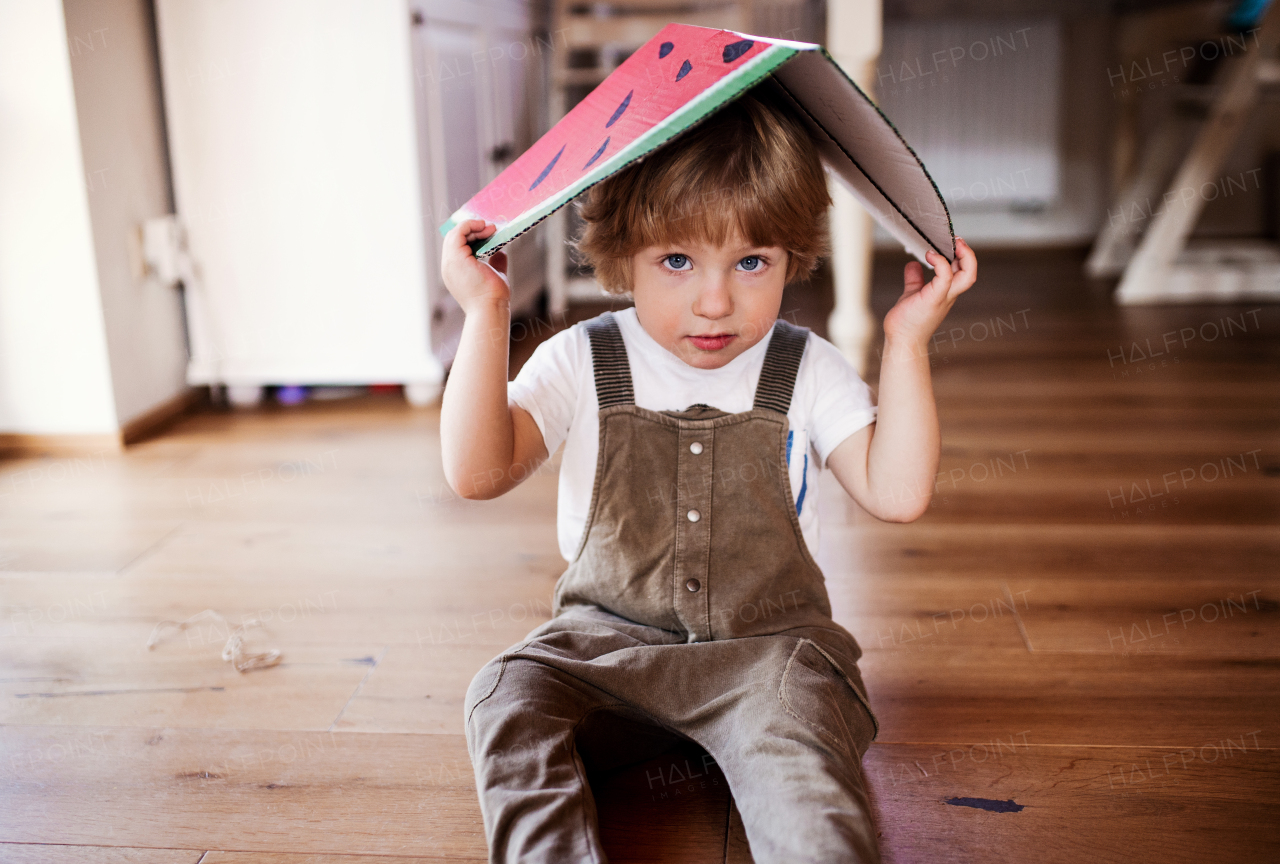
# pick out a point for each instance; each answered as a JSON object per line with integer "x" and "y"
{"x": 54, "y": 374}
{"x": 115, "y": 72}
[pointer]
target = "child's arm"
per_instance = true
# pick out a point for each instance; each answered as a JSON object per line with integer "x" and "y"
{"x": 482, "y": 437}
{"x": 889, "y": 467}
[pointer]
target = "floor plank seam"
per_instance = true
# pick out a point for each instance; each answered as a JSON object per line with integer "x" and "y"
{"x": 220, "y": 729}
{"x": 100, "y": 846}
{"x": 205, "y": 854}
{"x": 1029, "y": 745}
{"x": 728, "y": 826}
{"x": 156, "y": 546}
{"x": 372, "y": 669}
{"x": 1022, "y": 628}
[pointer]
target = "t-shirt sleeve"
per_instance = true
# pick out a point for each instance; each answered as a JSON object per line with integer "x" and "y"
{"x": 547, "y": 385}
{"x": 841, "y": 400}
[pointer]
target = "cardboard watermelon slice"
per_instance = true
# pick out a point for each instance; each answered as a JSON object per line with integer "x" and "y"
{"x": 680, "y": 77}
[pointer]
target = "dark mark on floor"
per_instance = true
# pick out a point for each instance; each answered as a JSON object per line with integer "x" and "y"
{"x": 986, "y": 804}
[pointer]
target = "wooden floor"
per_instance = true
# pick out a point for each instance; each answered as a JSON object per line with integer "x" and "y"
{"x": 1074, "y": 655}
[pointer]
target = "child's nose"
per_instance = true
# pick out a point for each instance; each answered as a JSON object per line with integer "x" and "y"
{"x": 714, "y": 300}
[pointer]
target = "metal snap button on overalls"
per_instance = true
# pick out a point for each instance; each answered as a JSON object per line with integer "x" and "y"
{"x": 695, "y": 448}
{"x": 693, "y": 584}
{"x": 693, "y": 515}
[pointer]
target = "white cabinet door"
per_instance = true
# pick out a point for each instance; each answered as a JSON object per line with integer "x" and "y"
{"x": 292, "y": 136}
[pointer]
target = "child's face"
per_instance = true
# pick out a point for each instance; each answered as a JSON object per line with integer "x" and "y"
{"x": 708, "y": 304}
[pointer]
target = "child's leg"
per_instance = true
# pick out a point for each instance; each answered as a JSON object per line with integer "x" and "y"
{"x": 523, "y": 721}
{"x": 792, "y": 753}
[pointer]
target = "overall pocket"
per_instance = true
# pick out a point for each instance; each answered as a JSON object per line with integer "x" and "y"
{"x": 816, "y": 691}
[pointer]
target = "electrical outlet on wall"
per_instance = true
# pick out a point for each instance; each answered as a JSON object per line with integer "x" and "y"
{"x": 163, "y": 249}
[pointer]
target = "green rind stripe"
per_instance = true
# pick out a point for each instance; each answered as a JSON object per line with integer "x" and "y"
{"x": 740, "y": 80}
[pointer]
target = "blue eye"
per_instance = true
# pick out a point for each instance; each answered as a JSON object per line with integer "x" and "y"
{"x": 750, "y": 263}
{"x": 678, "y": 262}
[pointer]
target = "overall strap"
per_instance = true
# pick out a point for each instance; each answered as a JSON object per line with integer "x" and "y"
{"x": 781, "y": 362}
{"x": 609, "y": 362}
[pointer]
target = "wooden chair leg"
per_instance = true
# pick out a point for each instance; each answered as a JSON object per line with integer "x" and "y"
{"x": 1149, "y": 272}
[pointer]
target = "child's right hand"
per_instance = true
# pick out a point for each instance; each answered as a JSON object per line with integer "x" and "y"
{"x": 470, "y": 280}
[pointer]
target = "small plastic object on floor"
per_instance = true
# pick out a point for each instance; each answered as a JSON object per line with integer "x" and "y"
{"x": 291, "y": 394}
{"x": 233, "y": 652}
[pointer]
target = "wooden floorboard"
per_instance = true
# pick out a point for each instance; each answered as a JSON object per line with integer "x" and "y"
{"x": 53, "y": 853}
{"x": 1066, "y": 665}
{"x": 243, "y": 789}
{"x": 1142, "y": 699}
{"x": 177, "y": 684}
{"x": 218, "y": 857}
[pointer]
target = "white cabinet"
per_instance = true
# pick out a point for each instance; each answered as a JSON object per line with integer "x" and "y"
{"x": 312, "y": 152}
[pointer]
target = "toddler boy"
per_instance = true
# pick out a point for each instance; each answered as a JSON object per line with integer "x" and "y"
{"x": 695, "y": 425}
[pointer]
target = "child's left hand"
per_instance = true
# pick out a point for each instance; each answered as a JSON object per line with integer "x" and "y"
{"x": 921, "y": 308}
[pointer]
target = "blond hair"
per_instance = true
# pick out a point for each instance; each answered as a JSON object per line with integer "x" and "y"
{"x": 750, "y": 171}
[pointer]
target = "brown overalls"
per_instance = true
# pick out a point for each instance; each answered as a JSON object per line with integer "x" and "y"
{"x": 693, "y": 610}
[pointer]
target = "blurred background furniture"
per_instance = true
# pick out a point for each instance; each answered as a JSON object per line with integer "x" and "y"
{"x": 1181, "y": 163}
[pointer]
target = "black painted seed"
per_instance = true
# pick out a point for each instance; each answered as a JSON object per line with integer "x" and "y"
{"x": 618, "y": 112}
{"x": 665, "y": 48}
{"x": 547, "y": 170}
{"x": 684, "y": 70}
{"x": 734, "y": 50}
{"x": 599, "y": 153}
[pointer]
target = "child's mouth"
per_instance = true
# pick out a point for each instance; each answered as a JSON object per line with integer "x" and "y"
{"x": 711, "y": 343}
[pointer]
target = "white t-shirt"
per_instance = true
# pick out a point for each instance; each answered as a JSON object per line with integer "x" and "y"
{"x": 557, "y": 387}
